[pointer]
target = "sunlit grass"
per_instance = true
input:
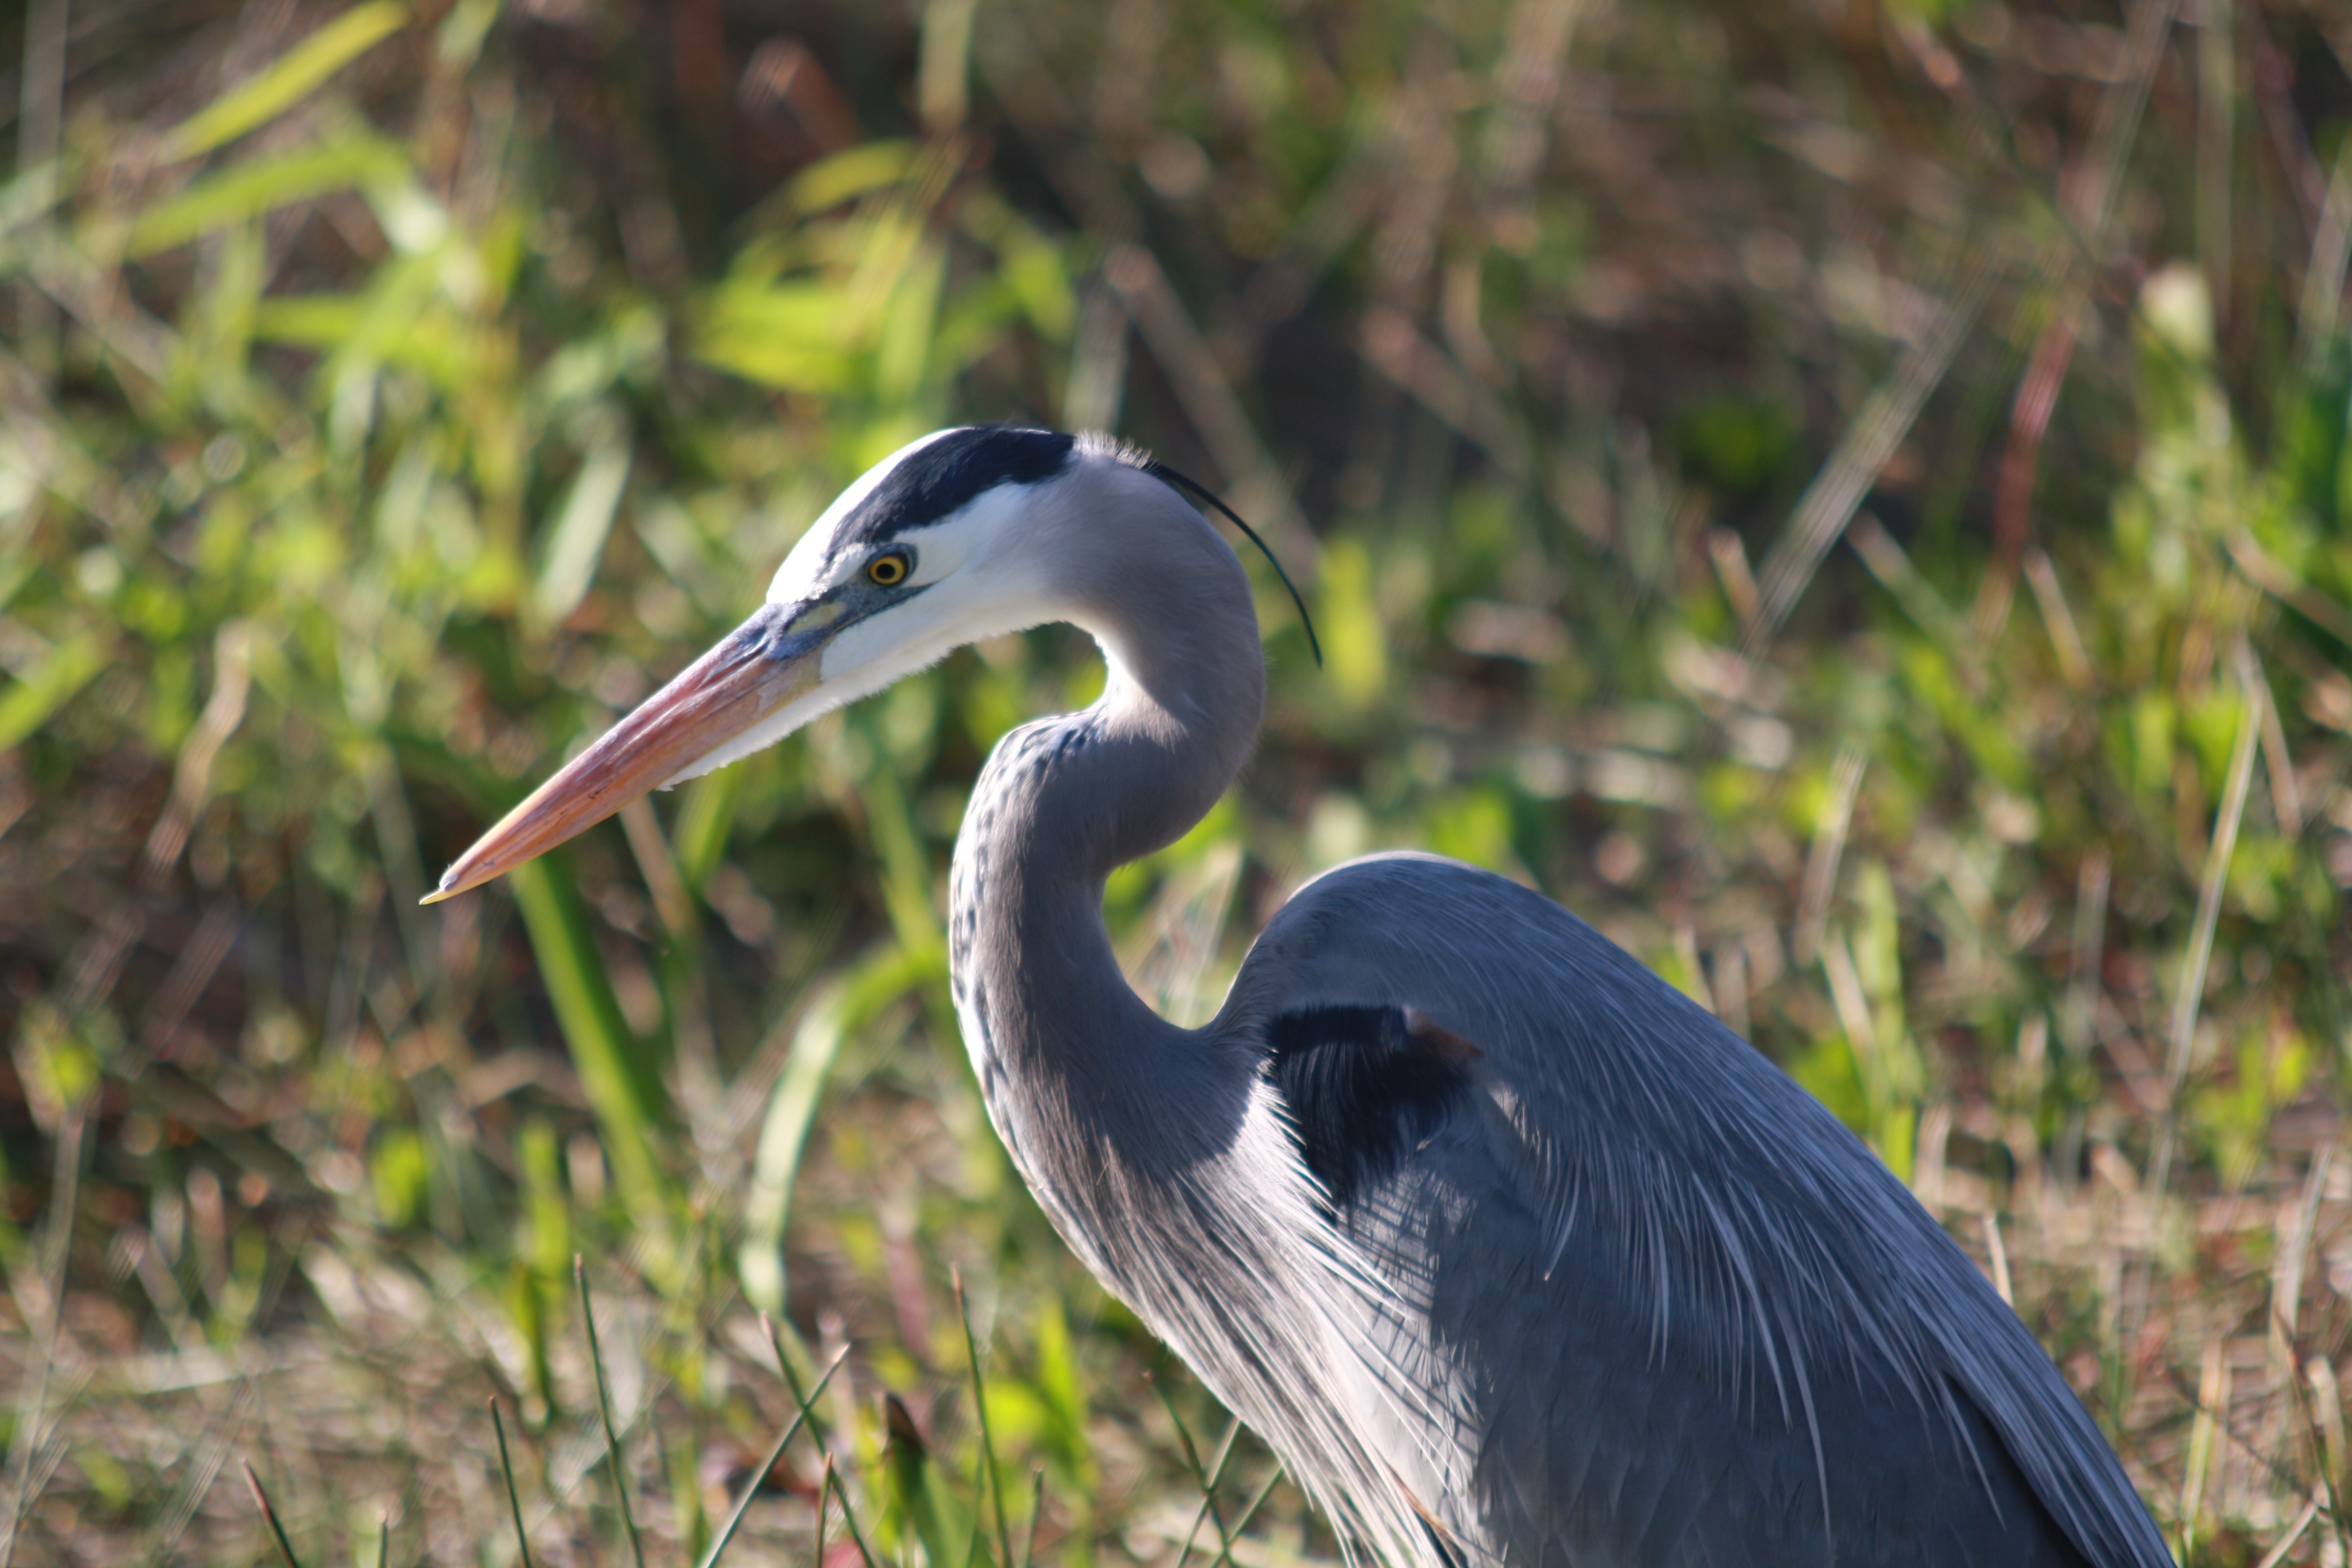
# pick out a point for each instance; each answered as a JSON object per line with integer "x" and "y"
{"x": 1641, "y": 397}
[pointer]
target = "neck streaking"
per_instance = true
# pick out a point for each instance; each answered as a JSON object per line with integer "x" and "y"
{"x": 1160, "y": 1154}
{"x": 1076, "y": 1069}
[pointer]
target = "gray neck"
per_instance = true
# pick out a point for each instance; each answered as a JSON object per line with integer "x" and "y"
{"x": 1157, "y": 1151}
{"x": 1078, "y": 1073}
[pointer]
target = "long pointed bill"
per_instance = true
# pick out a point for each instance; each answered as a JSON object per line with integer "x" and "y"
{"x": 754, "y": 671}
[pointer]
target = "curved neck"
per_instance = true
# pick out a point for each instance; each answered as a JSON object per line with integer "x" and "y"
{"x": 1157, "y": 1152}
{"x": 1054, "y": 1028}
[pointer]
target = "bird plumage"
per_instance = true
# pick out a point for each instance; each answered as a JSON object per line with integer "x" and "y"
{"x": 1510, "y": 1251}
{"x": 1577, "y": 1275}
{"x": 1631, "y": 1222}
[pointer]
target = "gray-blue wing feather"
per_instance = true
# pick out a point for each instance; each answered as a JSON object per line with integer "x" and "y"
{"x": 1689, "y": 1317}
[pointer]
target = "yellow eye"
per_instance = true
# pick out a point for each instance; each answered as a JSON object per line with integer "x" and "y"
{"x": 889, "y": 570}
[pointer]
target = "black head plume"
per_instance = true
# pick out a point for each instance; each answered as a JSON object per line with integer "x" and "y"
{"x": 1202, "y": 492}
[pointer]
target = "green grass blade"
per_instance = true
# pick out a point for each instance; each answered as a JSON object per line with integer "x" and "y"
{"x": 576, "y": 542}
{"x": 27, "y": 198}
{"x": 1058, "y": 1383}
{"x": 848, "y": 1004}
{"x": 849, "y": 1515}
{"x": 806, "y": 1402}
{"x": 922, "y": 1513}
{"x": 308, "y": 320}
{"x": 846, "y": 175}
{"x": 605, "y": 1414}
{"x": 26, "y": 704}
{"x": 704, "y": 819}
{"x": 1210, "y": 1481}
{"x": 801, "y": 1417}
{"x": 264, "y": 186}
{"x": 1183, "y": 1433}
{"x": 514, "y": 1498}
{"x": 1225, "y": 1556}
{"x": 980, "y": 1413}
{"x": 622, "y": 1088}
{"x": 286, "y": 83}
{"x": 907, "y": 873}
{"x": 1036, "y": 1515}
{"x": 276, "y": 1529}
{"x": 677, "y": 1453}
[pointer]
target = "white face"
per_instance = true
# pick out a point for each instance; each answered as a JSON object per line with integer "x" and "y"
{"x": 968, "y": 578}
{"x": 810, "y": 566}
{"x": 910, "y": 562}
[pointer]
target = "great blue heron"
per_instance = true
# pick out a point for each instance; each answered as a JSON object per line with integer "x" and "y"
{"x": 1511, "y": 1252}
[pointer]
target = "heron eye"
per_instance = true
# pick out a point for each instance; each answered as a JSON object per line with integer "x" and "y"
{"x": 889, "y": 570}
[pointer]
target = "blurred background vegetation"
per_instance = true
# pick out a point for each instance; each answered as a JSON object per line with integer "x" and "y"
{"x": 1854, "y": 496}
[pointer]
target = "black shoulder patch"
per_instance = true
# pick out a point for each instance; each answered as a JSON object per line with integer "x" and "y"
{"x": 948, "y": 473}
{"x": 1365, "y": 1087}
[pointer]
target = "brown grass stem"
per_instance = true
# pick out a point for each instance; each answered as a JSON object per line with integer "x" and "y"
{"x": 2327, "y": 1418}
{"x": 823, "y": 1498}
{"x": 2091, "y": 884}
{"x": 1828, "y": 849}
{"x": 2085, "y": 197}
{"x": 269, "y": 1515}
{"x": 2204, "y": 1428}
{"x": 2278, "y": 761}
{"x": 2295, "y": 1254}
{"x": 27, "y": 1442}
{"x": 2065, "y": 634}
{"x": 2286, "y": 1543}
{"x": 2189, "y": 999}
{"x": 1871, "y": 437}
{"x": 2323, "y": 275}
{"x": 1998, "y": 1254}
{"x": 2271, "y": 576}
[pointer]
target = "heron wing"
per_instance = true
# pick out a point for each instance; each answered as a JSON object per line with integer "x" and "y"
{"x": 1680, "y": 1312}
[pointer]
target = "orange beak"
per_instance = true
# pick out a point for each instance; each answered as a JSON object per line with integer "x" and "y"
{"x": 756, "y": 670}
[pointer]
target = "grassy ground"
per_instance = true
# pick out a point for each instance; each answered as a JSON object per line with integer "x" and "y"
{"x": 1853, "y": 498}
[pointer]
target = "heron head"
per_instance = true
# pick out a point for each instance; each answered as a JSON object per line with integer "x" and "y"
{"x": 928, "y": 551}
